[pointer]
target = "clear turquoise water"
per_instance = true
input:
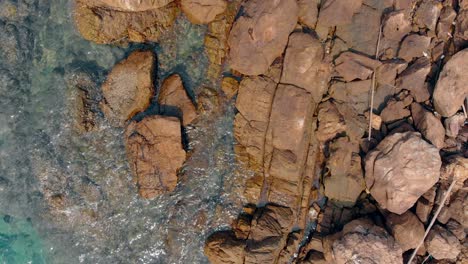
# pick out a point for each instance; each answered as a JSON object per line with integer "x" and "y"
{"x": 102, "y": 220}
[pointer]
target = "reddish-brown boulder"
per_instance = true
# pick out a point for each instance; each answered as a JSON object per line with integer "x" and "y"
{"x": 407, "y": 230}
{"x": 413, "y": 79}
{"x": 442, "y": 244}
{"x": 174, "y": 100}
{"x": 461, "y": 28}
{"x": 155, "y": 153}
{"x": 344, "y": 179}
{"x": 308, "y": 12}
{"x": 303, "y": 66}
{"x": 414, "y": 46}
{"x": 427, "y": 14}
{"x": 428, "y": 124}
{"x": 400, "y": 169}
{"x": 396, "y": 25}
{"x": 451, "y": 89}
{"x": 351, "y": 66}
{"x": 454, "y": 124}
{"x": 396, "y": 108}
{"x": 287, "y": 143}
{"x": 202, "y": 11}
{"x": 129, "y": 87}
{"x": 444, "y": 27}
{"x": 261, "y": 34}
{"x": 334, "y": 13}
{"x": 361, "y": 241}
{"x": 223, "y": 247}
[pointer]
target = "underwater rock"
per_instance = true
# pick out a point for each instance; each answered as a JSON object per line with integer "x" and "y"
{"x": 407, "y": 230}
{"x": 202, "y": 11}
{"x": 155, "y": 154}
{"x": 441, "y": 244}
{"x": 129, "y": 5}
{"x": 451, "y": 89}
{"x": 230, "y": 87}
{"x": 344, "y": 180}
{"x": 428, "y": 124}
{"x": 401, "y": 169}
{"x": 302, "y": 66}
{"x": 106, "y": 26}
{"x": 261, "y": 34}
{"x": 174, "y": 100}
{"x": 128, "y": 88}
{"x": 360, "y": 241}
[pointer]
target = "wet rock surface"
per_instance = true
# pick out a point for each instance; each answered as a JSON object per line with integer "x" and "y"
{"x": 129, "y": 87}
{"x": 174, "y": 100}
{"x": 154, "y": 149}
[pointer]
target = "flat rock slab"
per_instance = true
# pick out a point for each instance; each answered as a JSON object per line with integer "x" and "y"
{"x": 261, "y": 34}
{"x": 401, "y": 169}
{"x": 129, "y": 5}
{"x": 128, "y": 88}
{"x": 155, "y": 153}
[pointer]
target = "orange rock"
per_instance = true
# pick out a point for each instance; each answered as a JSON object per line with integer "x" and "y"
{"x": 202, "y": 11}
{"x": 174, "y": 100}
{"x": 155, "y": 153}
{"x": 129, "y": 87}
{"x": 407, "y": 230}
{"x": 129, "y": 5}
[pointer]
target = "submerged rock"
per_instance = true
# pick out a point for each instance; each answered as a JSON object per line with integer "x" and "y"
{"x": 361, "y": 241}
{"x": 401, "y": 169}
{"x": 105, "y": 25}
{"x": 202, "y": 11}
{"x": 261, "y": 34}
{"x": 129, "y": 5}
{"x": 155, "y": 153}
{"x": 128, "y": 88}
{"x": 174, "y": 100}
{"x": 451, "y": 88}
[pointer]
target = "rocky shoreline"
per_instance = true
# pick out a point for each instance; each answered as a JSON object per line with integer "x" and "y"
{"x": 351, "y": 117}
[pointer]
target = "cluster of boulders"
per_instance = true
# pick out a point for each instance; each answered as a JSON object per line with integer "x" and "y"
{"x": 309, "y": 71}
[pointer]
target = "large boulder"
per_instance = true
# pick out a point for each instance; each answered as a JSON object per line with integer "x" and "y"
{"x": 351, "y": 66}
{"x": 451, "y": 89}
{"x": 303, "y": 66}
{"x": 202, "y": 11}
{"x": 129, "y": 87}
{"x": 400, "y": 169}
{"x": 361, "y": 241}
{"x": 334, "y": 13}
{"x": 155, "y": 153}
{"x": 308, "y": 12}
{"x": 174, "y": 100}
{"x": 223, "y": 247}
{"x": 261, "y": 34}
{"x": 105, "y": 25}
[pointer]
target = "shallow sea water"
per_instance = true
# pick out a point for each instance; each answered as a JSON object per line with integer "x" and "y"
{"x": 100, "y": 218}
